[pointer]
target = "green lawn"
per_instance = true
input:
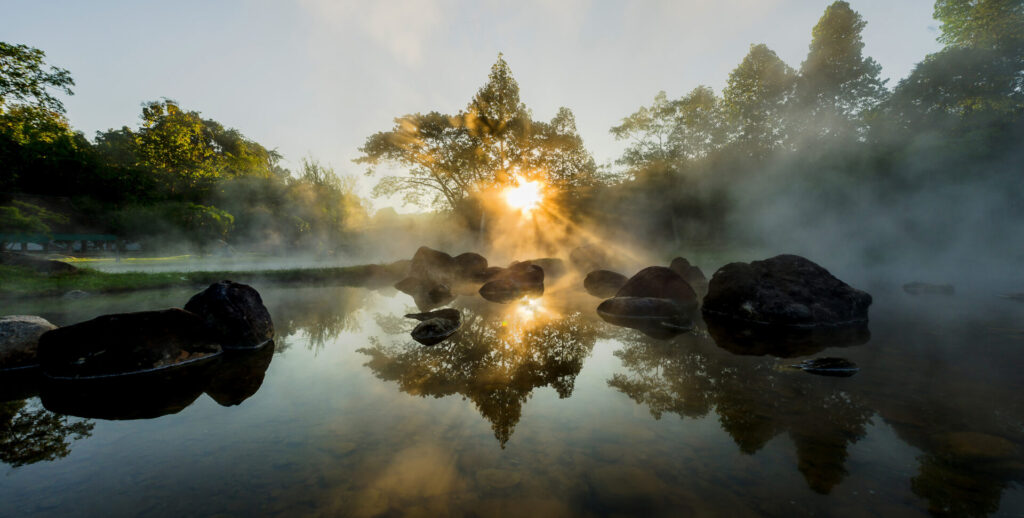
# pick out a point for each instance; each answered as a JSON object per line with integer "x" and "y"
{"x": 24, "y": 282}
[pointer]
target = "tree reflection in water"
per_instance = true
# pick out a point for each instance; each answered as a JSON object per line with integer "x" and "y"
{"x": 323, "y": 314}
{"x": 496, "y": 359}
{"x": 754, "y": 400}
{"x": 30, "y": 434}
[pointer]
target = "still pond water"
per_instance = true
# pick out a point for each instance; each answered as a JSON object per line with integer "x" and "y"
{"x": 533, "y": 410}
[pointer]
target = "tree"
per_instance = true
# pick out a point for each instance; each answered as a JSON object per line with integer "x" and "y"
{"x": 837, "y": 83}
{"x": 451, "y": 159}
{"x": 25, "y": 79}
{"x": 990, "y": 24}
{"x": 755, "y": 100}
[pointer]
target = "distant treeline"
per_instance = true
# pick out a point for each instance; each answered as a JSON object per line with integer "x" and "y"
{"x": 827, "y": 153}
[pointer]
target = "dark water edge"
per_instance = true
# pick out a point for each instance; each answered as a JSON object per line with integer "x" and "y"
{"x": 542, "y": 410}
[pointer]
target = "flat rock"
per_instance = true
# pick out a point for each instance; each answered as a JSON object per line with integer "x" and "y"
{"x": 658, "y": 318}
{"x": 19, "y": 339}
{"x": 435, "y": 330}
{"x": 604, "y": 283}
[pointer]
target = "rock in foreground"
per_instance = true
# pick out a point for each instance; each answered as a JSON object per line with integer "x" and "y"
{"x": 515, "y": 282}
{"x": 604, "y": 283}
{"x": 786, "y": 290}
{"x": 19, "y": 338}
{"x": 126, "y": 343}
{"x": 234, "y": 314}
{"x": 436, "y": 326}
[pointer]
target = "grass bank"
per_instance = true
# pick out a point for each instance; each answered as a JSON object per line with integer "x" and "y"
{"x": 19, "y": 281}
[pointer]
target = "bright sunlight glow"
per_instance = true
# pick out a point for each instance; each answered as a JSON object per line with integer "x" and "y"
{"x": 524, "y": 196}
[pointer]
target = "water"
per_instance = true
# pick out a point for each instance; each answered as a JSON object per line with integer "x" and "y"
{"x": 535, "y": 410}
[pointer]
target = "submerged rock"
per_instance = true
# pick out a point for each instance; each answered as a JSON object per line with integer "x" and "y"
{"x": 656, "y": 317}
{"x": 604, "y": 283}
{"x": 19, "y": 339}
{"x": 513, "y": 283}
{"x": 436, "y": 326}
{"x": 234, "y": 313}
{"x": 662, "y": 283}
{"x": 126, "y": 343}
{"x": 691, "y": 274}
{"x": 786, "y": 290}
{"x": 839, "y": 367}
{"x": 923, "y": 288}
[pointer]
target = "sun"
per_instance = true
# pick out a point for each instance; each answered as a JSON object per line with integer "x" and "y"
{"x": 524, "y": 196}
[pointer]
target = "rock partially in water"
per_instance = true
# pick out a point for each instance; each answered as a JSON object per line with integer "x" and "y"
{"x": 239, "y": 374}
{"x": 448, "y": 313}
{"x": 470, "y": 266}
{"x": 433, "y": 265}
{"x": 786, "y": 290}
{"x": 662, "y": 283}
{"x": 692, "y": 274}
{"x": 34, "y": 263}
{"x": 126, "y": 343}
{"x": 923, "y": 288}
{"x": 839, "y": 367}
{"x": 125, "y": 398}
{"x": 234, "y": 313}
{"x": 604, "y": 283}
{"x": 515, "y": 282}
{"x": 588, "y": 258}
{"x": 751, "y": 339}
{"x": 656, "y": 317}
{"x": 19, "y": 339}
{"x": 553, "y": 267}
{"x": 437, "y": 328}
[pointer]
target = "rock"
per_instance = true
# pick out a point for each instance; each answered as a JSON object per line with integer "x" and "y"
{"x": 553, "y": 267}
{"x": 234, "y": 313}
{"x": 490, "y": 273}
{"x": 35, "y": 263}
{"x": 786, "y": 290}
{"x": 19, "y": 338}
{"x": 604, "y": 283}
{"x": 436, "y": 326}
{"x": 515, "y": 282}
{"x": 126, "y": 343}
{"x": 659, "y": 318}
{"x": 239, "y": 375}
{"x": 691, "y": 274}
{"x": 448, "y": 313}
{"x": 425, "y": 293}
{"x": 588, "y": 258}
{"x": 839, "y": 367}
{"x": 470, "y": 266}
{"x": 923, "y": 288}
{"x": 433, "y": 265}
{"x": 662, "y": 283}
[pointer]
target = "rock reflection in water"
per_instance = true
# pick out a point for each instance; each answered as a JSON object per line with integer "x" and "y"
{"x": 498, "y": 357}
{"x": 744, "y": 338}
{"x": 754, "y": 401}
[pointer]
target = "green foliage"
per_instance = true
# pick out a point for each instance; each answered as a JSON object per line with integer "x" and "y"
{"x": 987, "y": 24}
{"x": 25, "y": 80}
{"x": 756, "y": 100}
{"x": 25, "y": 218}
{"x": 449, "y": 159}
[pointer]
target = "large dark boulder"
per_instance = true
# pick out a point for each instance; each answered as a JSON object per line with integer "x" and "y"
{"x": 515, "y": 282}
{"x": 692, "y": 274}
{"x": 659, "y": 318}
{"x": 786, "y": 290}
{"x": 37, "y": 264}
{"x": 604, "y": 283}
{"x": 126, "y": 343}
{"x": 662, "y": 283}
{"x": 19, "y": 338}
{"x": 433, "y": 265}
{"x": 435, "y": 326}
{"x": 470, "y": 266}
{"x": 234, "y": 314}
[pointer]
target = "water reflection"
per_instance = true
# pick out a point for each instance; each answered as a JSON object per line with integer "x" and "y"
{"x": 755, "y": 400}
{"x": 30, "y": 434}
{"x": 496, "y": 359}
{"x": 322, "y": 314}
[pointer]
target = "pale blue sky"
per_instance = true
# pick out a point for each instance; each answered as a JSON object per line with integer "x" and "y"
{"x": 317, "y": 76}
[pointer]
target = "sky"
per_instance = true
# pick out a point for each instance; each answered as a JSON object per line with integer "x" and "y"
{"x": 316, "y": 77}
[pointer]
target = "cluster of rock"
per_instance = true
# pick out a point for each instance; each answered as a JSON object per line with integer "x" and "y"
{"x": 224, "y": 316}
{"x": 657, "y": 300}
